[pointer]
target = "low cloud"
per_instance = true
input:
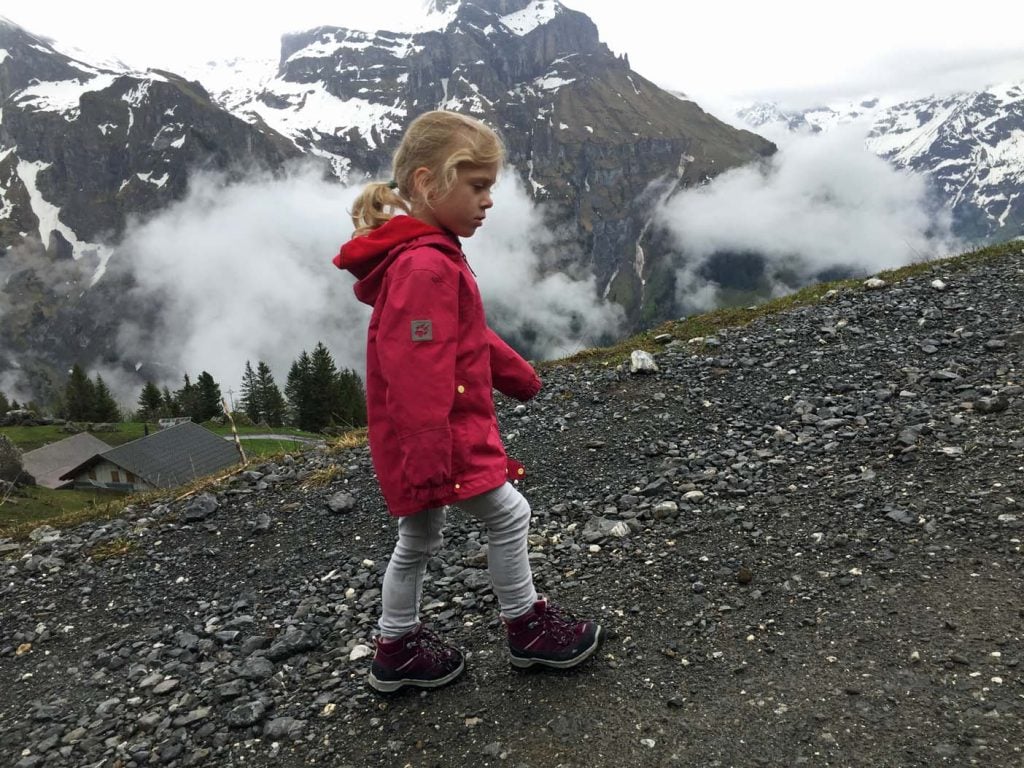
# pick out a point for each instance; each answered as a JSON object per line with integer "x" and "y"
{"x": 241, "y": 271}
{"x": 549, "y": 313}
{"x": 822, "y": 203}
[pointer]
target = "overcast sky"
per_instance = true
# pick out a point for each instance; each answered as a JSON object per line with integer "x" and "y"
{"x": 798, "y": 51}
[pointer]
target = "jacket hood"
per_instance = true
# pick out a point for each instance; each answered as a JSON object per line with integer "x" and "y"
{"x": 368, "y": 256}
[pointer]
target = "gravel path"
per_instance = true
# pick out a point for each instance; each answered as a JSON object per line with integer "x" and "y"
{"x": 804, "y": 538}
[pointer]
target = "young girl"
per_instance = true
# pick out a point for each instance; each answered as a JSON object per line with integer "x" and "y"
{"x": 431, "y": 365}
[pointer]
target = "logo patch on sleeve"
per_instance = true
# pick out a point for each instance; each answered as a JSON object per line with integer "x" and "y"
{"x": 422, "y": 330}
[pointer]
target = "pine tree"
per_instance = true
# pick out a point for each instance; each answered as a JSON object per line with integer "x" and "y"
{"x": 251, "y": 402}
{"x": 170, "y": 405}
{"x": 186, "y": 400}
{"x": 297, "y": 390}
{"x": 105, "y": 408}
{"x": 325, "y": 403}
{"x": 79, "y": 396}
{"x": 209, "y": 397}
{"x": 353, "y": 399}
{"x": 271, "y": 401}
{"x": 151, "y": 402}
{"x": 4, "y": 405}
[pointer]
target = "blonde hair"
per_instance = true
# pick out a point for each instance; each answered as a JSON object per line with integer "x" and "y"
{"x": 438, "y": 141}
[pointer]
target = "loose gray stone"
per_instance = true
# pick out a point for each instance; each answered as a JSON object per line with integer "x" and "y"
{"x": 991, "y": 404}
{"x": 166, "y": 686}
{"x": 200, "y": 508}
{"x": 292, "y": 643}
{"x": 341, "y": 502}
{"x": 246, "y": 714}
{"x": 284, "y": 728}
{"x": 256, "y": 668}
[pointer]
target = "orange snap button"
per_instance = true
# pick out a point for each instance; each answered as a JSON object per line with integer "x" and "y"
{"x": 461, "y": 389}
{"x": 522, "y": 471}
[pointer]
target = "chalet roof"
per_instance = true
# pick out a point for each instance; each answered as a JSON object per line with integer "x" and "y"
{"x": 170, "y": 457}
{"x": 48, "y": 463}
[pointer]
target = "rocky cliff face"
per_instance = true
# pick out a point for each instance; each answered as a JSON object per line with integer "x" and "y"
{"x": 82, "y": 149}
{"x": 586, "y": 134}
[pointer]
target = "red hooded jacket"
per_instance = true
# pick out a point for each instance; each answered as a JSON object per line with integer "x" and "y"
{"x": 431, "y": 365}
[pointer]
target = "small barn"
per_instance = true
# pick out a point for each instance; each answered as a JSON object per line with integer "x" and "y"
{"x": 48, "y": 463}
{"x": 165, "y": 459}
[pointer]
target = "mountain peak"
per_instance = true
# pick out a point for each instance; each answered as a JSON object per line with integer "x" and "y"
{"x": 501, "y": 7}
{"x": 519, "y": 16}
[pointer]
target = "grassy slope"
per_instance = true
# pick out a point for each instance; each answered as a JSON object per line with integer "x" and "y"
{"x": 709, "y": 323}
{"x": 30, "y": 438}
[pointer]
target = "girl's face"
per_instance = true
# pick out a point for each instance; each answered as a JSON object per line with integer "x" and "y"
{"x": 463, "y": 210}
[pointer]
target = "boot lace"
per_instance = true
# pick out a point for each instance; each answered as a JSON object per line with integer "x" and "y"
{"x": 430, "y": 645}
{"x": 556, "y": 623}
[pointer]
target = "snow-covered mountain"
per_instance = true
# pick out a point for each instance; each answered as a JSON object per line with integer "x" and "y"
{"x": 768, "y": 115}
{"x": 972, "y": 146}
{"x": 969, "y": 145}
{"x": 586, "y": 133}
{"x": 85, "y": 147}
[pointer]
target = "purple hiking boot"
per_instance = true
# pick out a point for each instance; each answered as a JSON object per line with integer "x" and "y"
{"x": 545, "y": 635}
{"x": 418, "y": 658}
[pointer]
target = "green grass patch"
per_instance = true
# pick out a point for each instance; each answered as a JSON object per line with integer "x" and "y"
{"x": 28, "y": 508}
{"x": 263, "y": 448}
{"x": 30, "y": 438}
{"x": 256, "y": 430}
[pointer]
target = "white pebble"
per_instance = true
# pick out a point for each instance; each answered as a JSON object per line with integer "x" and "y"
{"x": 360, "y": 652}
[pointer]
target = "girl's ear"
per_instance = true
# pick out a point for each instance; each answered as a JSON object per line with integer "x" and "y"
{"x": 421, "y": 179}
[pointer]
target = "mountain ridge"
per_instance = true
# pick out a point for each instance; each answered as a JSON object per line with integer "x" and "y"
{"x": 969, "y": 144}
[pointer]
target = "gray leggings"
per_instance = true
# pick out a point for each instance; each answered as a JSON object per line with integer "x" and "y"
{"x": 505, "y": 514}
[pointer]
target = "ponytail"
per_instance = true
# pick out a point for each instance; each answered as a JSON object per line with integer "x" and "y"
{"x": 376, "y": 204}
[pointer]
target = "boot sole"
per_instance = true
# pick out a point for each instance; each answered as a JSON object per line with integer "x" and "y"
{"x": 390, "y": 686}
{"x": 520, "y": 662}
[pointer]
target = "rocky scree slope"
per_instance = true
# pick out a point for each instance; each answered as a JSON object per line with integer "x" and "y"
{"x": 803, "y": 535}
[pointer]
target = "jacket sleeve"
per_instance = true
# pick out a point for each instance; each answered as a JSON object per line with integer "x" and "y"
{"x": 510, "y": 374}
{"x": 416, "y": 349}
